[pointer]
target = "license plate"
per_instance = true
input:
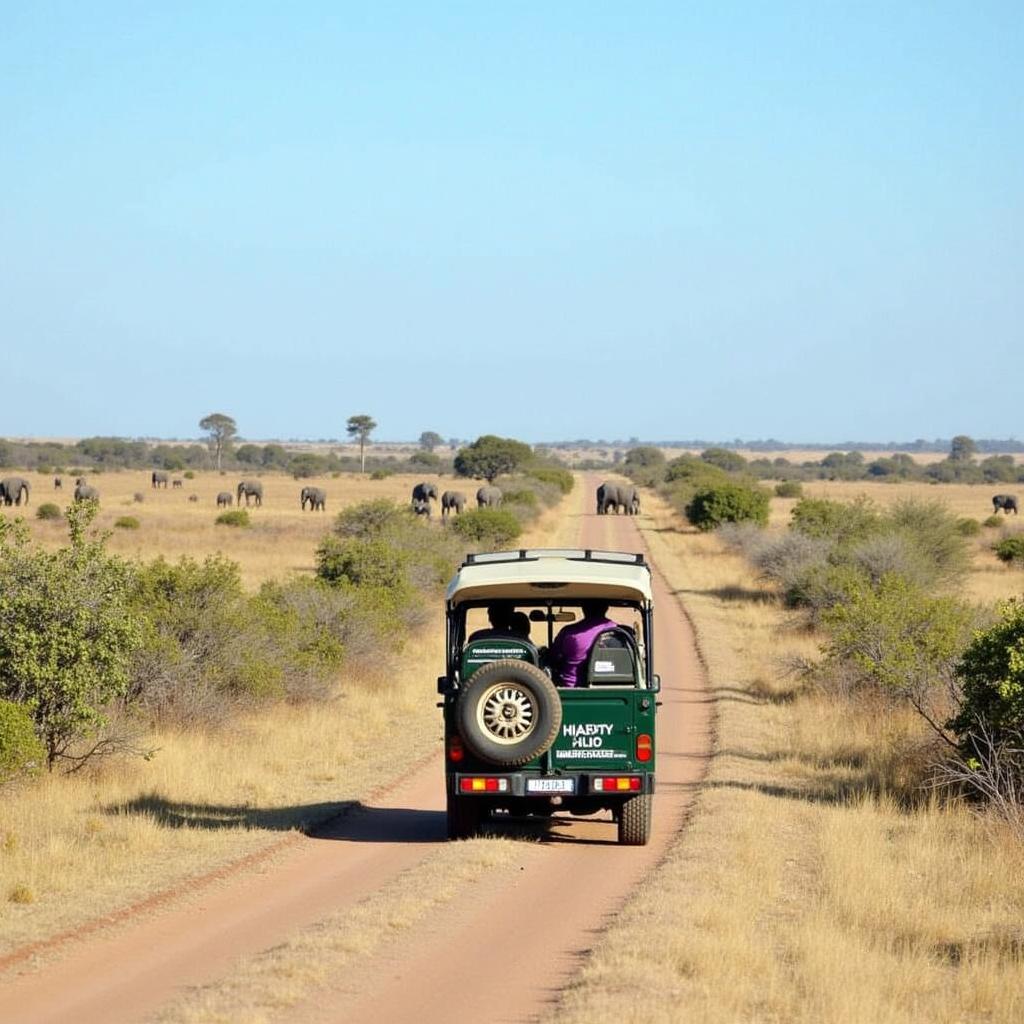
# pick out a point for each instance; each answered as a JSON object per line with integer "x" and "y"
{"x": 550, "y": 785}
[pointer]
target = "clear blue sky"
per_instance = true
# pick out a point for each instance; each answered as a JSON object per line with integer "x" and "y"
{"x": 546, "y": 220}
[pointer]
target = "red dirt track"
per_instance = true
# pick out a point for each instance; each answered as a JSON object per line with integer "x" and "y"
{"x": 500, "y": 953}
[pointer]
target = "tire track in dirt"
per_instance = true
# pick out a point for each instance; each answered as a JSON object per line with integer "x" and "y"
{"x": 502, "y": 957}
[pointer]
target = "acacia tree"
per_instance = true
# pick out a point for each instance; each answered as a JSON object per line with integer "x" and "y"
{"x": 489, "y": 456}
{"x": 962, "y": 448}
{"x": 220, "y": 430}
{"x": 360, "y": 427}
{"x": 430, "y": 439}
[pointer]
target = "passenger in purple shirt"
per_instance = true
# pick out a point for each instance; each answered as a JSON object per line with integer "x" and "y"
{"x": 569, "y": 650}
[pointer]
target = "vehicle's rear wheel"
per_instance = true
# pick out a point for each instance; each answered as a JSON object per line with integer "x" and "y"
{"x": 635, "y": 820}
{"x": 465, "y": 817}
{"x": 509, "y": 712}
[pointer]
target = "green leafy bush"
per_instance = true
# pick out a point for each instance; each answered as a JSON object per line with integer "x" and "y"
{"x": 840, "y": 522}
{"x": 21, "y": 752}
{"x": 48, "y": 510}
{"x": 234, "y": 517}
{"x": 553, "y": 475}
{"x": 489, "y": 527}
{"x": 67, "y": 632}
{"x": 520, "y": 496}
{"x": 189, "y": 474}
{"x": 127, "y": 523}
{"x": 991, "y": 674}
{"x": 993, "y": 522}
{"x": 789, "y": 489}
{"x": 380, "y": 474}
{"x": 725, "y": 459}
{"x": 968, "y": 527}
{"x": 1010, "y": 550}
{"x": 729, "y": 502}
{"x": 361, "y": 563}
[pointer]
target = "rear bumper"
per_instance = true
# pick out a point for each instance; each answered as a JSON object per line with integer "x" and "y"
{"x": 517, "y": 784}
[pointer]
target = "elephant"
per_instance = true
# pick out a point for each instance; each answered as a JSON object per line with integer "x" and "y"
{"x": 488, "y": 497}
{"x": 1004, "y": 502}
{"x": 421, "y": 508}
{"x": 452, "y": 500}
{"x": 160, "y": 478}
{"x": 251, "y": 489}
{"x": 224, "y": 499}
{"x": 317, "y": 498}
{"x": 424, "y": 492}
{"x": 85, "y": 492}
{"x": 11, "y": 490}
{"x": 80, "y": 480}
{"x": 609, "y": 498}
{"x": 635, "y": 504}
{"x": 629, "y": 500}
{"x": 58, "y": 483}
{"x": 177, "y": 483}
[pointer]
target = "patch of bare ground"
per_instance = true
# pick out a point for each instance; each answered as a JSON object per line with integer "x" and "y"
{"x": 814, "y": 884}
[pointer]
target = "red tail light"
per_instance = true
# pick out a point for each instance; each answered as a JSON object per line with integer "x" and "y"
{"x": 644, "y": 747}
{"x": 484, "y": 784}
{"x": 616, "y": 784}
{"x": 456, "y": 751}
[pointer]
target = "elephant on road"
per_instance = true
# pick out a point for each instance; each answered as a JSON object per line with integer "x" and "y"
{"x": 251, "y": 489}
{"x": 12, "y": 488}
{"x": 608, "y": 498}
{"x": 86, "y": 492}
{"x": 317, "y": 498}
{"x": 629, "y": 498}
{"x": 224, "y": 499}
{"x": 159, "y": 478}
{"x": 1006, "y": 502}
{"x": 452, "y": 501}
{"x": 424, "y": 492}
{"x": 488, "y": 497}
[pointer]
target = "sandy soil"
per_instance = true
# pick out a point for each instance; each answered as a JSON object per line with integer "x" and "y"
{"x": 501, "y": 952}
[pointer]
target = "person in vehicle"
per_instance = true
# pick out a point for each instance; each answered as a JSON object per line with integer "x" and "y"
{"x": 499, "y": 614}
{"x": 519, "y": 623}
{"x": 569, "y": 651}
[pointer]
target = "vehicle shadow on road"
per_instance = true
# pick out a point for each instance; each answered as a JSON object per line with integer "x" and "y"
{"x": 385, "y": 825}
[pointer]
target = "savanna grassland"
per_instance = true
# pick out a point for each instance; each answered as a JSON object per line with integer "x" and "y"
{"x": 817, "y": 881}
{"x": 76, "y": 847}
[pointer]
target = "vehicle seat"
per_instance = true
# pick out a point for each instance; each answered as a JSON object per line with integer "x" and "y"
{"x": 482, "y": 650}
{"x": 613, "y": 659}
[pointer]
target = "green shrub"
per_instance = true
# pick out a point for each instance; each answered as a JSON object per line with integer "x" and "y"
{"x": 380, "y": 474}
{"x": 1010, "y": 549}
{"x": 127, "y": 523}
{"x": 369, "y": 563}
{"x": 932, "y": 529}
{"x": 819, "y": 586}
{"x": 723, "y": 458}
{"x": 234, "y": 517}
{"x": 189, "y": 474}
{"x": 520, "y": 496}
{"x": 968, "y": 527}
{"x": 554, "y": 475}
{"x": 49, "y": 510}
{"x": 490, "y": 527}
{"x": 372, "y": 519}
{"x": 67, "y": 632}
{"x": 993, "y": 522}
{"x": 20, "y": 750}
{"x": 710, "y": 507}
{"x": 789, "y": 489}
{"x": 425, "y": 460}
{"x": 841, "y": 522}
{"x": 991, "y": 674}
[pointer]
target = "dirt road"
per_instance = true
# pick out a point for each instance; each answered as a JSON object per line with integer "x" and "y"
{"x": 499, "y": 952}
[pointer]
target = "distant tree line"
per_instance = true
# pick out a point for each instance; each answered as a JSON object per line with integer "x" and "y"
{"x": 771, "y": 444}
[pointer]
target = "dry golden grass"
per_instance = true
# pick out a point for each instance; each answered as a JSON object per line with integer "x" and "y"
{"x": 801, "y": 891}
{"x": 68, "y": 850}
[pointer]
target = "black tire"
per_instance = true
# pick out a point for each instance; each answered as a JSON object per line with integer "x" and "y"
{"x": 465, "y": 817}
{"x": 635, "y": 820}
{"x": 509, "y": 712}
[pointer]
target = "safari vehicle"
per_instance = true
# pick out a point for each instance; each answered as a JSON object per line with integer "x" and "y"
{"x": 515, "y": 743}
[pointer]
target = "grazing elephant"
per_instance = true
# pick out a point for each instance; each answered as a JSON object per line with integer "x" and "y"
{"x": 79, "y": 480}
{"x": 635, "y": 504}
{"x": 85, "y": 492}
{"x": 160, "y": 478}
{"x": 177, "y": 483}
{"x": 251, "y": 489}
{"x": 452, "y": 501}
{"x": 224, "y": 499}
{"x": 58, "y": 483}
{"x": 424, "y": 492}
{"x": 488, "y": 497}
{"x": 421, "y": 508}
{"x": 11, "y": 490}
{"x": 317, "y": 498}
{"x": 1004, "y": 502}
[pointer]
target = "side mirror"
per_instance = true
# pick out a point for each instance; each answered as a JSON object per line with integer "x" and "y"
{"x": 655, "y": 686}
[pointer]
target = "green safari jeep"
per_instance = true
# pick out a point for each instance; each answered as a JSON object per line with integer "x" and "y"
{"x": 515, "y": 743}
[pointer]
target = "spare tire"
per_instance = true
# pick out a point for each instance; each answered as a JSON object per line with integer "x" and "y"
{"x": 509, "y": 712}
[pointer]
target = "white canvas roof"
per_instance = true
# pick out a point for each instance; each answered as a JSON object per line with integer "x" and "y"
{"x": 558, "y": 573}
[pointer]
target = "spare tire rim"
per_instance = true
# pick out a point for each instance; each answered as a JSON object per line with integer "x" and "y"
{"x": 506, "y": 713}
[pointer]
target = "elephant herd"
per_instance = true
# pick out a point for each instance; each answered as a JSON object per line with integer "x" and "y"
{"x": 617, "y": 497}
{"x": 452, "y": 502}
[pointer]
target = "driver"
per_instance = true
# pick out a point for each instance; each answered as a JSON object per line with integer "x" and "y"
{"x": 569, "y": 650}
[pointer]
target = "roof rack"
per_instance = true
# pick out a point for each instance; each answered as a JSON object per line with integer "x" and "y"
{"x": 571, "y": 554}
